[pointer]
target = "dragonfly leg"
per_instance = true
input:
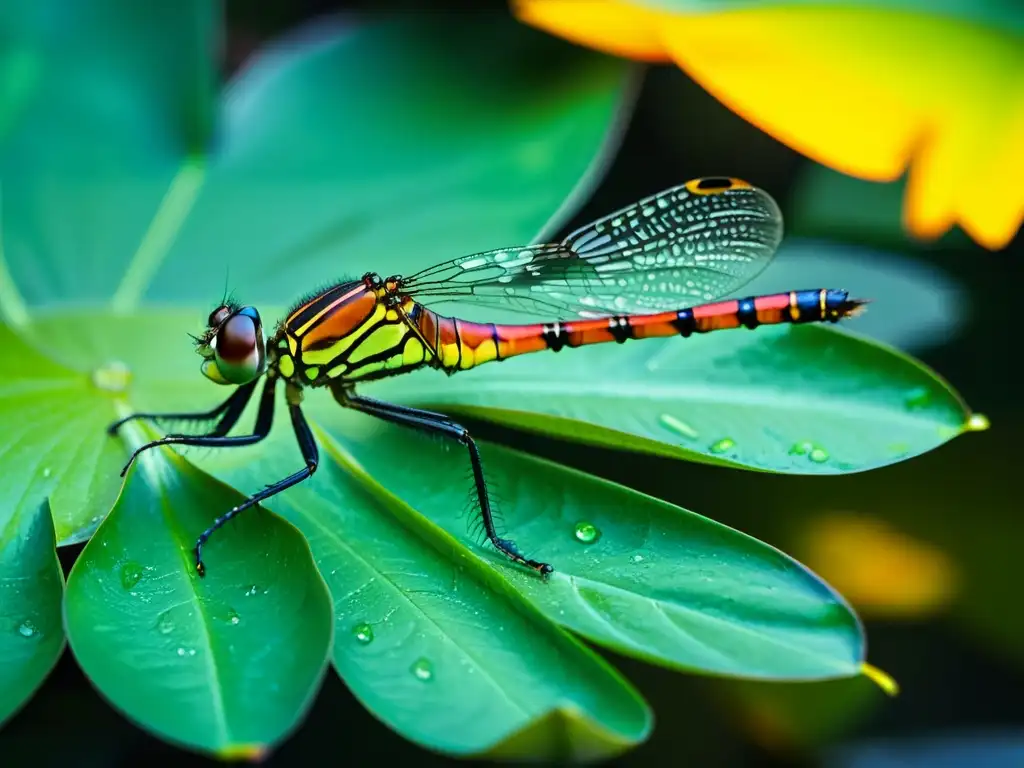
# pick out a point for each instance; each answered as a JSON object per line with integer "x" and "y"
{"x": 242, "y": 394}
{"x": 307, "y": 445}
{"x": 233, "y": 408}
{"x": 437, "y": 423}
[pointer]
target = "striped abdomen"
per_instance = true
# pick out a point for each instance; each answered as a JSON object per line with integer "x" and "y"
{"x": 460, "y": 344}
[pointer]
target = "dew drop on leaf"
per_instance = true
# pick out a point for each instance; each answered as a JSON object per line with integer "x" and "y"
{"x": 165, "y": 623}
{"x": 253, "y": 590}
{"x": 818, "y": 455}
{"x": 28, "y": 629}
{"x": 586, "y": 533}
{"x": 423, "y": 670}
{"x": 801, "y": 448}
{"x": 114, "y": 376}
{"x": 363, "y": 633}
{"x": 131, "y": 572}
{"x": 723, "y": 445}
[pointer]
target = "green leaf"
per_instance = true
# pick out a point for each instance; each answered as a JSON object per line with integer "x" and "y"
{"x": 433, "y": 642}
{"x": 659, "y": 582}
{"x": 152, "y": 64}
{"x": 802, "y": 400}
{"x": 227, "y": 664}
{"x": 53, "y": 440}
{"x": 31, "y": 588}
{"x": 320, "y": 171}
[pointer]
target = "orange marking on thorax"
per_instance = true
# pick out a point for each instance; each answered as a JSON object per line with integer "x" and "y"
{"x": 349, "y": 312}
{"x": 345, "y": 297}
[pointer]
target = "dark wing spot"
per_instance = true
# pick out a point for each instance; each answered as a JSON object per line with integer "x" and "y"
{"x": 714, "y": 182}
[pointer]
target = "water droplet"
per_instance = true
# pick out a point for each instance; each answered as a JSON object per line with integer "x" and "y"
{"x": 28, "y": 629}
{"x": 802, "y": 448}
{"x": 815, "y": 453}
{"x": 679, "y": 427}
{"x": 131, "y": 572}
{"x": 637, "y": 558}
{"x": 818, "y": 455}
{"x": 586, "y": 533}
{"x": 918, "y": 397}
{"x": 165, "y": 623}
{"x": 423, "y": 670}
{"x": 254, "y": 590}
{"x": 115, "y": 376}
{"x": 723, "y": 445}
{"x": 978, "y": 422}
{"x": 47, "y": 471}
{"x": 363, "y": 633}
{"x": 186, "y": 651}
{"x": 234, "y": 618}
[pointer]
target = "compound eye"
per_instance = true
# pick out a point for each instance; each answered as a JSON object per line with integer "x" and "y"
{"x": 238, "y": 349}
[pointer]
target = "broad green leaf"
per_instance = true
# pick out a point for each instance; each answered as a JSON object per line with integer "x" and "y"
{"x": 31, "y": 588}
{"x": 802, "y": 400}
{"x": 226, "y": 664}
{"x": 152, "y": 64}
{"x": 53, "y": 441}
{"x": 434, "y": 643}
{"x": 656, "y": 582}
{"x": 320, "y": 171}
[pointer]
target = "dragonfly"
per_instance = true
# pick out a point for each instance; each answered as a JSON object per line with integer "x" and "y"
{"x": 657, "y": 268}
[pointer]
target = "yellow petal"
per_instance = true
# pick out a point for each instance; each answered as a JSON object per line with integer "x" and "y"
{"x": 868, "y": 91}
{"x": 881, "y": 570}
{"x": 615, "y": 28}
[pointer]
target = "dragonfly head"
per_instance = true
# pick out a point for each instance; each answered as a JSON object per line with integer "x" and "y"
{"x": 234, "y": 348}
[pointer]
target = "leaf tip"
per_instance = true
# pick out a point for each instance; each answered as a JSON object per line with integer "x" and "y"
{"x": 252, "y": 753}
{"x": 881, "y": 679}
{"x": 978, "y": 422}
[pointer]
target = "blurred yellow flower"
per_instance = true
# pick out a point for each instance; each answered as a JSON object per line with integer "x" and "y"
{"x": 868, "y": 91}
{"x": 884, "y": 572}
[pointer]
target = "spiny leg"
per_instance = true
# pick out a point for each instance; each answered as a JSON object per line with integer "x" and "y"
{"x": 437, "y": 423}
{"x": 243, "y": 393}
{"x": 307, "y": 445}
{"x": 215, "y": 438}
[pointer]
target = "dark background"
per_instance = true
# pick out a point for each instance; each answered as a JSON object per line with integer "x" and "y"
{"x": 961, "y": 670}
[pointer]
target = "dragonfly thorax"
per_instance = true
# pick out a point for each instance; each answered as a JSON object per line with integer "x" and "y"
{"x": 354, "y": 330}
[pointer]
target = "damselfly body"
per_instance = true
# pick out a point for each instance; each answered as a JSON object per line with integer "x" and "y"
{"x": 646, "y": 271}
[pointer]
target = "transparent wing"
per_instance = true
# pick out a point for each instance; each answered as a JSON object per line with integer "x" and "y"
{"x": 689, "y": 244}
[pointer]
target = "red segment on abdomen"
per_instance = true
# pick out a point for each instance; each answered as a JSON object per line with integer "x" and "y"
{"x": 773, "y": 309}
{"x": 520, "y": 339}
{"x": 717, "y": 316}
